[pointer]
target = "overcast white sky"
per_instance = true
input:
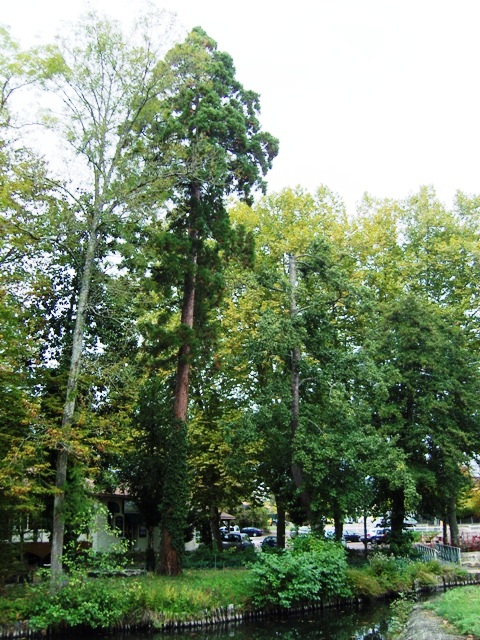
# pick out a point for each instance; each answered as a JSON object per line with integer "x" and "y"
{"x": 377, "y": 96}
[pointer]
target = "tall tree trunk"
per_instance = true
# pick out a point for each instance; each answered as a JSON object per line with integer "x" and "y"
{"x": 58, "y": 530}
{"x": 398, "y": 518}
{"x": 365, "y": 531}
{"x": 183, "y": 363}
{"x": 280, "y": 524}
{"x": 297, "y": 473}
{"x": 170, "y": 558}
{"x": 215, "y": 528}
{"x": 338, "y": 523}
{"x": 452, "y": 522}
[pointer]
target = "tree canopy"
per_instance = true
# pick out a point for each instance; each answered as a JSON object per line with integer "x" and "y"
{"x": 169, "y": 326}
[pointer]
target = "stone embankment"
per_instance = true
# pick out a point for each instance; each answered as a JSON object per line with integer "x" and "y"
{"x": 471, "y": 560}
{"x": 425, "y": 625}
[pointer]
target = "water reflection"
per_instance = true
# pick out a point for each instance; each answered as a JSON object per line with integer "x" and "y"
{"x": 365, "y": 624}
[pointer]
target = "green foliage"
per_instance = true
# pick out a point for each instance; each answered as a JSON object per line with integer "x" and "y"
{"x": 400, "y": 609}
{"x": 384, "y": 574}
{"x": 94, "y": 603}
{"x": 294, "y": 577}
{"x": 193, "y": 593}
{"x": 461, "y": 607}
{"x": 387, "y": 574}
{"x": 103, "y": 603}
{"x": 143, "y": 469}
{"x": 380, "y": 319}
{"x": 389, "y": 568}
{"x": 174, "y": 505}
{"x": 362, "y": 582}
{"x": 150, "y": 599}
{"x": 252, "y": 516}
{"x": 12, "y": 604}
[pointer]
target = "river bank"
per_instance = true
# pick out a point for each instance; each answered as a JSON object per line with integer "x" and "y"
{"x": 426, "y": 625}
{"x": 311, "y": 575}
{"x": 154, "y": 617}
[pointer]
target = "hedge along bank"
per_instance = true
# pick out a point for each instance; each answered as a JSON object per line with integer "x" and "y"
{"x": 314, "y": 576}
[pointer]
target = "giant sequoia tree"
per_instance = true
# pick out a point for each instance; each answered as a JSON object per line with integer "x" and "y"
{"x": 207, "y": 131}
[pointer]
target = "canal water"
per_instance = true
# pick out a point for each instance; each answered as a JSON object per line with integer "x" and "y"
{"x": 332, "y": 624}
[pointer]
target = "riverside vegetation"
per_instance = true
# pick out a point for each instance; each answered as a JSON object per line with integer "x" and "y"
{"x": 461, "y": 608}
{"x": 312, "y": 572}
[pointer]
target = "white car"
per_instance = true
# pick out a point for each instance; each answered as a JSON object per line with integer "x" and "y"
{"x": 304, "y": 531}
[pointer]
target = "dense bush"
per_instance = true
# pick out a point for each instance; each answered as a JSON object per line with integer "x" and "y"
{"x": 192, "y": 594}
{"x": 94, "y": 603}
{"x": 311, "y": 571}
{"x": 386, "y": 574}
{"x": 110, "y": 603}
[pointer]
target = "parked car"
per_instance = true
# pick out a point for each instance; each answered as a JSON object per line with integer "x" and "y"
{"x": 381, "y": 536}
{"x": 268, "y": 542}
{"x": 236, "y": 540}
{"x": 368, "y": 538}
{"x": 234, "y": 529}
{"x": 304, "y": 530}
{"x": 252, "y": 531}
{"x": 351, "y": 536}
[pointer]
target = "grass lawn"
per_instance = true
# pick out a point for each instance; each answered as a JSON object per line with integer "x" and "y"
{"x": 461, "y": 607}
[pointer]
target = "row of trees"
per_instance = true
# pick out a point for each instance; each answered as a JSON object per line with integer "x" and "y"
{"x": 159, "y": 142}
{"x": 206, "y": 354}
{"x": 365, "y": 368}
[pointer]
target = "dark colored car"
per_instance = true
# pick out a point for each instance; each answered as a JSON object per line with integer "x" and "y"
{"x": 252, "y": 531}
{"x": 269, "y": 542}
{"x": 351, "y": 536}
{"x": 236, "y": 540}
{"x": 381, "y": 536}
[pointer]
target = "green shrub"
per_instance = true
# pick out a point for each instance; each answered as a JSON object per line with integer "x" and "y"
{"x": 309, "y": 572}
{"x": 390, "y": 566}
{"x": 383, "y": 574}
{"x": 107, "y": 603}
{"x": 95, "y": 603}
{"x": 386, "y": 574}
{"x": 12, "y": 604}
{"x": 400, "y": 610}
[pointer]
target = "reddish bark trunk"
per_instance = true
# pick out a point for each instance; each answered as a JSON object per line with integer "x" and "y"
{"x": 170, "y": 565}
{"x": 169, "y": 560}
